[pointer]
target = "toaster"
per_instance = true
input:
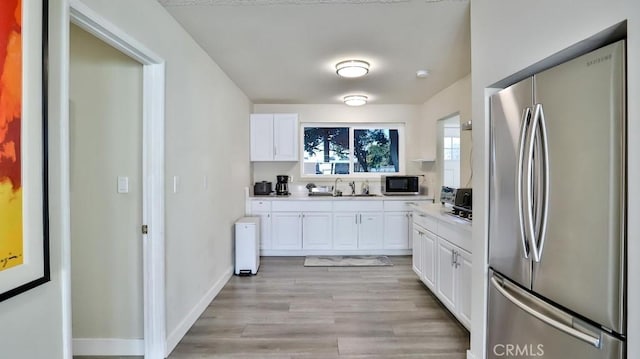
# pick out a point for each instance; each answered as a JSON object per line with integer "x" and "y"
{"x": 459, "y": 198}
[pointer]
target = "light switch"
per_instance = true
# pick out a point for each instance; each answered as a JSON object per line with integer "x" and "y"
{"x": 123, "y": 184}
{"x": 176, "y": 179}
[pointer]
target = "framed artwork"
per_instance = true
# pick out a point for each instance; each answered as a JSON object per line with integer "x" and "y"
{"x": 24, "y": 217}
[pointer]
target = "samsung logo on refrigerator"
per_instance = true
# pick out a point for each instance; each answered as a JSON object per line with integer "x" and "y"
{"x": 599, "y": 60}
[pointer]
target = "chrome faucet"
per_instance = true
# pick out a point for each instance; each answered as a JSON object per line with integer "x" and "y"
{"x": 352, "y": 184}
{"x": 335, "y": 186}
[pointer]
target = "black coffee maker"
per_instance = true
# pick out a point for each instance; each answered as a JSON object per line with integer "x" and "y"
{"x": 282, "y": 186}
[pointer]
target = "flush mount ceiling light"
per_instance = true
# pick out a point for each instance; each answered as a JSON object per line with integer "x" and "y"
{"x": 352, "y": 68}
{"x": 355, "y": 100}
{"x": 422, "y": 74}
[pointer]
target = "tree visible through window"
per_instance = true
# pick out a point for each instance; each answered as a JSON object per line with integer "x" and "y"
{"x": 349, "y": 150}
{"x": 376, "y": 150}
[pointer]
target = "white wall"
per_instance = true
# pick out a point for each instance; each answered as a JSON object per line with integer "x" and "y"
{"x": 207, "y": 134}
{"x": 406, "y": 114}
{"x": 105, "y": 93}
{"x": 454, "y": 99}
{"x": 508, "y": 36}
{"x": 207, "y": 149}
{"x": 34, "y": 318}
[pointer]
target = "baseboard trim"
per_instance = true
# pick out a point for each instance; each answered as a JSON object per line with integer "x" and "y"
{"x": 179, "y": 332}
{"x": 107, "y": 346}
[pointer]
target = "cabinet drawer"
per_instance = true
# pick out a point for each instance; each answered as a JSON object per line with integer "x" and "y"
{"x": 260, "y": 206}
{"x": 425, "y": 221}
{"x": 357, "y": 206}
{"x": 301, "y": 206}
{"x": 456, "y": 235}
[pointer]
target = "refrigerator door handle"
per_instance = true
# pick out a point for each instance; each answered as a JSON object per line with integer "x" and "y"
{"x": 587, "y": 338}
{"x": 526, "y": 118}
{"x": 530, "y": 224}
{"x": 541, "y": 235}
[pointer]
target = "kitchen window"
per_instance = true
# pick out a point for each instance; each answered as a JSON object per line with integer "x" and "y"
{"x": 351, "y": 150}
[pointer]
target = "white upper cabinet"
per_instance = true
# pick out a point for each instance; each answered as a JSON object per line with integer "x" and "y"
{"x": 285, "y": 137}
{"x": 274, "y": 137}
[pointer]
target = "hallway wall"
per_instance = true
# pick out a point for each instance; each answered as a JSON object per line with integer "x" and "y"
{"x": 207, "y": 148}
{"x": 206, "y": 152}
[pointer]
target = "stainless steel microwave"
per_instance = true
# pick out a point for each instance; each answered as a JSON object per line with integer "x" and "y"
{"x": 400, "y": 185}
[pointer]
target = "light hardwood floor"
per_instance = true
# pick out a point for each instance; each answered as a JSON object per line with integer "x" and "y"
{"x": 288, "y": 311}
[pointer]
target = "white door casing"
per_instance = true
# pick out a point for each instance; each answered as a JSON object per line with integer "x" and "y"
{"x": 152, "y": 173}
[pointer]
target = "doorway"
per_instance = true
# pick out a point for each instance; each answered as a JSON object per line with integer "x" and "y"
{"x": 105, "y": 122}
{"x": 449, "y": 150}
{"x": 151, "y": 141}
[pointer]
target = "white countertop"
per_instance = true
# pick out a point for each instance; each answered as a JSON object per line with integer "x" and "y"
{"x": 305, "y": 197}
{"x": 437, "y": 211}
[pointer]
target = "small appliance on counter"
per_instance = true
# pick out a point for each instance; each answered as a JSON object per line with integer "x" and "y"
{"x": 282, "y": 186}
{"x": 399, "y": 185}
{"x": 460, "y": 200}
{"x": 262, "y": 188}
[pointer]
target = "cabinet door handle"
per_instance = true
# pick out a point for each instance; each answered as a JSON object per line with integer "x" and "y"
{"x": 360, "y": 218}
{"x": 453, "y": 261}
{"x": 356, "y": 218}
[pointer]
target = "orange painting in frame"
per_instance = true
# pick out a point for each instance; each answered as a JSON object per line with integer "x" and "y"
{"x": 11, "y": 236}
{"x": 24, "y": 208}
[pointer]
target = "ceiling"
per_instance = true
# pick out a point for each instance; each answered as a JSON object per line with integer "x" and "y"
{"x": 285, "y": 51}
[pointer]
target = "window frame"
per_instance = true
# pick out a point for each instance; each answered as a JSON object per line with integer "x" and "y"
{"x": 399, "y": 126}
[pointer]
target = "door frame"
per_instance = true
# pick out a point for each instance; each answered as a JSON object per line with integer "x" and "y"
{"x": 153, "y": 207}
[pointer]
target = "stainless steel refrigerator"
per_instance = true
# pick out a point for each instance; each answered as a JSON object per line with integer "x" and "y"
{"x": 557, "y": 212}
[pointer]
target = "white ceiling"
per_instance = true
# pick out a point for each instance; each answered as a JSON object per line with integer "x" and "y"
{"x": 285, "y": 51}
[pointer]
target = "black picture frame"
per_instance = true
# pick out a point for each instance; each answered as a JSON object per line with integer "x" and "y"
{"x": 35, "y": 269}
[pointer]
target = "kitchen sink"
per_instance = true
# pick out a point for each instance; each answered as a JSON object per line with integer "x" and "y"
{"x": 320, "y": 194}
{"x": 365, "y": 195}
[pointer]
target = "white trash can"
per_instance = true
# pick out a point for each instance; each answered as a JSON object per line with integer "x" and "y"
{"x": 247, "y": 231}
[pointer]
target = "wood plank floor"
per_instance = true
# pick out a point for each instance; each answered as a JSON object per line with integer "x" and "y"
{"x": 288, "y": 311}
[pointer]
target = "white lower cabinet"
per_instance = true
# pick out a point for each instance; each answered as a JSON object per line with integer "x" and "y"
{"x": 397, "y": 230}
{"x": 463, "y": 300}
{"x": 345, "y": 230}
{"x": 265, "y": 229}
{"x": 444, "y": 267}
{"x": 417, "y": 252}
{"x": 262, "y": 209}
{"x": 367, "y": 226}
{"x": 370, "y": 230}
{"x": 286, "y": 230}
{"x": 454, "y": 280}
{"x": 316, "y": 230}
{"x": 429, "y": 259}
{"x": 446, "y": 281}
{"x": 355, "y": 230}
{"x": 292, "y": 230}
